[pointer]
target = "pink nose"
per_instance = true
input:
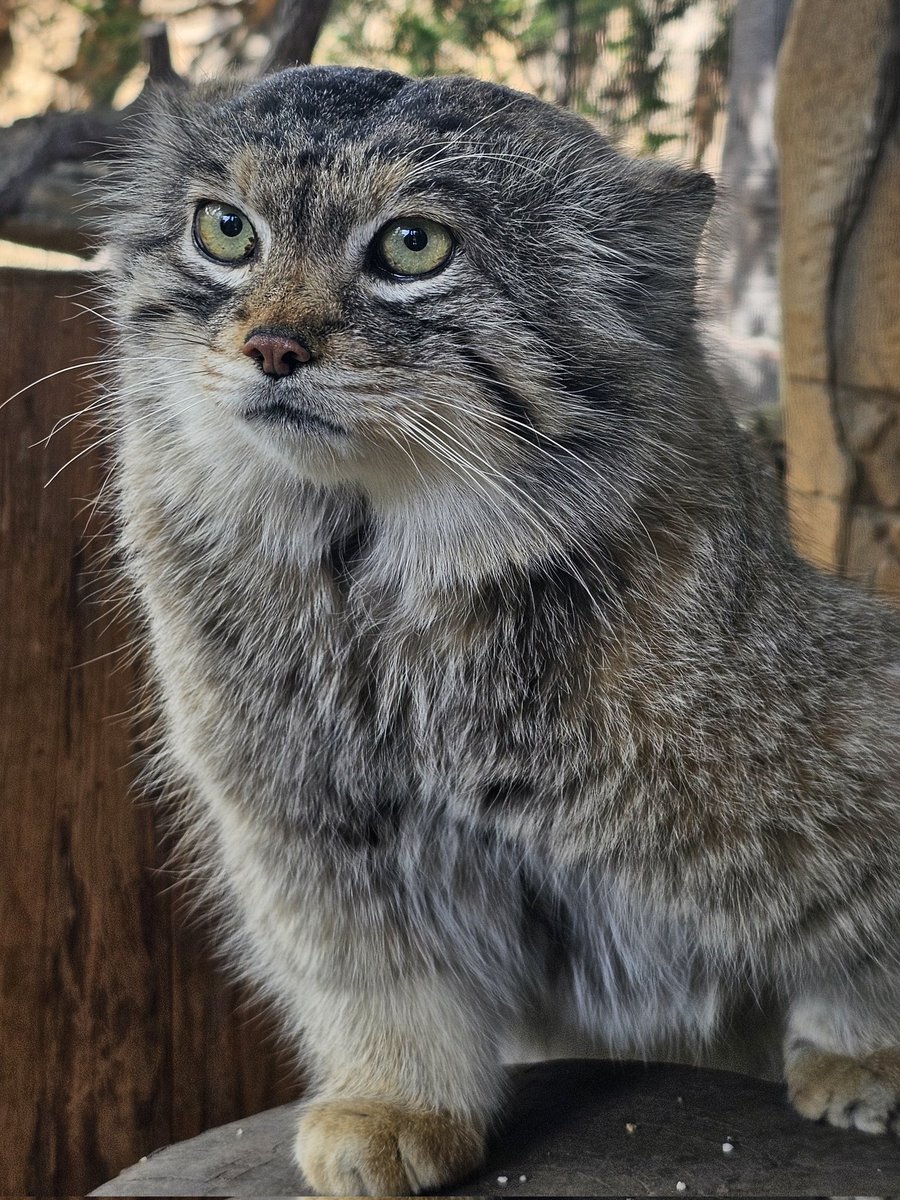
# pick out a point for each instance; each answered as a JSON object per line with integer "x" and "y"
{"x": 275, "y": 354}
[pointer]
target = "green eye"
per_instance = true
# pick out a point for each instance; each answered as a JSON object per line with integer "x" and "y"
{"x": 412, "y": 247}
{"x": 225, "y": 233}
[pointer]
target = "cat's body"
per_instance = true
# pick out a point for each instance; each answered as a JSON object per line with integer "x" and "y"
{"x": 506, "y": 711}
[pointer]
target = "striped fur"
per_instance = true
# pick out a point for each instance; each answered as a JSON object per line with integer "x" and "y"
{"x": 503, "y": 712}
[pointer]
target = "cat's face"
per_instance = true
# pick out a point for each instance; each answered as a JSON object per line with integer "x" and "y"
{"x": 398, "y": 284}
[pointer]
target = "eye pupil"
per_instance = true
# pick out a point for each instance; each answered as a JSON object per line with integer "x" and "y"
{"x": 415, "y": 239}
{"x": 223, "y": 233}
{"x": 411, "y": 248}
{"x": 231, "y": 224}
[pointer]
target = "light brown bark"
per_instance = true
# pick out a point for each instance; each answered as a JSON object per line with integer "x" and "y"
{"x": 838, "y": 121}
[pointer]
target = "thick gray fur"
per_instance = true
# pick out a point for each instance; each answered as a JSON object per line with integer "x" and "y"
{"x": 507, "y": 715}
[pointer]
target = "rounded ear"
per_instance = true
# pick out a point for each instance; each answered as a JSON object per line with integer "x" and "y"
{"x": 682, "y": 200}
{"x": 653, "y": 214}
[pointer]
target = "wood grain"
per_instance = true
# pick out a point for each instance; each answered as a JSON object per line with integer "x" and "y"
{"x": 117, "y": 1035}
{"x": 579, "y": 1128}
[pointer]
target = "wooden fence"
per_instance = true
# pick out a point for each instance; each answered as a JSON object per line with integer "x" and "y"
{"x": 116, "y": 1034}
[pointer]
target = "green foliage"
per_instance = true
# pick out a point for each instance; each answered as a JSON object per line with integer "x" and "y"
{"x": 635, "y": 93}
{"x": 426, "y": 33}
{"x": 566, "y": 47}
{"x": 604, "y": 58}
{"x": 110, "y": 46}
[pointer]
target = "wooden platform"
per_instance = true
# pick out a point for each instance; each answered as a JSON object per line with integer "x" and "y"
{"x": 580, "y": 1128}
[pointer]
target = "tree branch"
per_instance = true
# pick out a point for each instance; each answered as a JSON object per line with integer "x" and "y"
{"x": 295, "y": 31}
{"x": 33, "y": 149}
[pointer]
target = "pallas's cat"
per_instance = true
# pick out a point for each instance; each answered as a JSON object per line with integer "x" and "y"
{"x": 503, "y": 709}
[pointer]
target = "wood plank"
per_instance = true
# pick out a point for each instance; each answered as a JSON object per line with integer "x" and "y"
{"x": 117, "y": 1035}
{"x": 566, "y": 1130}
{"x": 84, "y": 944}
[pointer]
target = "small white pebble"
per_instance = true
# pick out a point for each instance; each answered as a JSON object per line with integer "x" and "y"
{"x": 522, "y": 1178}
{"x": 679, "y": 1099}
{"x": 680, "y": 1187}
{"x": 727, "y": 1147}
{"x": 503, "y": 1179}
{"x": 630, "y": 1126}
{"x": 240, "y": 1133}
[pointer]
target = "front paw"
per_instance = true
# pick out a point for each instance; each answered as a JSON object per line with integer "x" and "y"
{"x": 852, "y": 1093}
{"x": 371, "y": 1148}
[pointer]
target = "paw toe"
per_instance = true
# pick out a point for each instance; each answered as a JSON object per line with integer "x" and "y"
{"x": 848, "y": 1093}
{"x": 377, "y": 1149}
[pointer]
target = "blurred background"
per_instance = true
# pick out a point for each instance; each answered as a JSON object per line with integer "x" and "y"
{"x": 652, "y": 70}
{"x": 118, "y": 1033}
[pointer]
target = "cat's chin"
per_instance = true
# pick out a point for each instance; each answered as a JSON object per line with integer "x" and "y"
{"x": 327, "y": 454}
{"x": 309, "y": 444}
{"x": 285, "y": 417}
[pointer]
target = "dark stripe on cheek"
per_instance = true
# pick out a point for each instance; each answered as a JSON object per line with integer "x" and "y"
{"x": 152, "y": 312}
{"x": 201, "y": 303}
{"x": 198, "y": 279}
{"x": 506, "y": 398}
{"x": 147, "y": 245}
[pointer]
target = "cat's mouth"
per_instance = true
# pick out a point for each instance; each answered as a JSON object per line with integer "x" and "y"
{"x": 279, "y": 413}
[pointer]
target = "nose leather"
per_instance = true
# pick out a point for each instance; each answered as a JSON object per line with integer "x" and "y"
{"x": 276, "y": 354}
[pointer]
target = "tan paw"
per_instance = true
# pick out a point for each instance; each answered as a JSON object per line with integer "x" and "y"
{"x": 851, "y": 1093}
{"x": 369, "y": 1148}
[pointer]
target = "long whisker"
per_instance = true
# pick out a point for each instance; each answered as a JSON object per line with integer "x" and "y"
{"x": 529, "y": 511}
{"x": 420, "y": 430}
{"x": 541, "y": 445}
{"x": 79, "y": 366}
{"x": 559, "y": 525}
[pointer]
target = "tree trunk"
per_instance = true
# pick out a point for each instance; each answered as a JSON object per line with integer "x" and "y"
{"x": 295, "y": 32}
{"x": 746, "y": 275}
{"x": 838, "y": 122}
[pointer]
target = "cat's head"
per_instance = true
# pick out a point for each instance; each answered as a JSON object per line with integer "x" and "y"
{"x": 404, "y": 285}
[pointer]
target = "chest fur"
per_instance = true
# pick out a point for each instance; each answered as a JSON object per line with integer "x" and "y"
{"x": 309, "y": 690}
